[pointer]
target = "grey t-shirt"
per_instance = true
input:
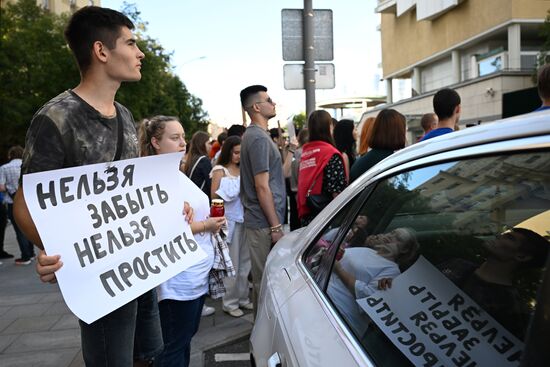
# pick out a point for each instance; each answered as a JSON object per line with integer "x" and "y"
{"x": 68, "y": 132}
{"x": 260, "y": 154}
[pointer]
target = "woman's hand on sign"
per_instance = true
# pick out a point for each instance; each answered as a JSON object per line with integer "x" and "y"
{"x": 384, "y": 283}
{"x": 188, "y": 212}
{"x": 214, "y": 224}
{"x": 46, "y": 266}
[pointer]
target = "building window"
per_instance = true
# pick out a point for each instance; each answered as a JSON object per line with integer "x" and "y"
{"x": 492, "y": 61}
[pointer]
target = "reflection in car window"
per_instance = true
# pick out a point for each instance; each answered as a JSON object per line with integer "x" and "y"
{"x": 323, "y": 247}
{"x": 460, "y": 250}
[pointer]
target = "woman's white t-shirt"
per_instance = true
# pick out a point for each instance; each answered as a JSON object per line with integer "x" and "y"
{"x": 192, "y": 283}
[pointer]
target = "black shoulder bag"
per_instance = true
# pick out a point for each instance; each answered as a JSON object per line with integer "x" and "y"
{"x": 316, "y": 203}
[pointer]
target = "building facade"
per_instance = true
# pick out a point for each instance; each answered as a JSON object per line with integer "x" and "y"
{"x": 484, "y": 49}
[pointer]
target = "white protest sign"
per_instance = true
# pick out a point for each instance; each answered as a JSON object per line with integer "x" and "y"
{"x": 118, "y": 227}
{"x": 434, "y": 323}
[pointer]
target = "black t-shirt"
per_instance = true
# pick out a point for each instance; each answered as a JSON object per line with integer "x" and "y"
{"x": 68, "y": 132}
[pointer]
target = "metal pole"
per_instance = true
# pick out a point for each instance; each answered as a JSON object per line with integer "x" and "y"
{"x": 309, "y": 57}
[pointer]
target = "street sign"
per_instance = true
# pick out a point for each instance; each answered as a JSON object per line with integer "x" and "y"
{"x": 293, "y": 30}
{"x": 294, "y": 76}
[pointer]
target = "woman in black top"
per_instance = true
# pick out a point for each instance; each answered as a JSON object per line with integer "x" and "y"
{"x": 344, "y": 139}
{"x": 197, "y": 165}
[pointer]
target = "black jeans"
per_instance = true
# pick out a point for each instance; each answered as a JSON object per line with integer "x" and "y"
{"x": 128, "y": 333}
{"x": 26, "y": 247}
{"x": 3, "y": 224}
{"x": 180, "y": 321}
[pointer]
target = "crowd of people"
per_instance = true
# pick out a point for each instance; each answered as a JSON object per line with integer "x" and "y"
{"x": 264, "y": 181}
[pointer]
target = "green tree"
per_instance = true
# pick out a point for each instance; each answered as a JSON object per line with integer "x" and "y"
{"x": 299, "y": 120}
{"x": 36, "y": 65}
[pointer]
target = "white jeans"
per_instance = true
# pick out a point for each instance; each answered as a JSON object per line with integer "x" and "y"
{"x": 236, "y": 288}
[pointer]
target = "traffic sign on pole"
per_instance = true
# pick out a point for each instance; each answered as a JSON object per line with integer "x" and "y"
{"x": 293, "y": 32}
{"x": 293, "y": 75}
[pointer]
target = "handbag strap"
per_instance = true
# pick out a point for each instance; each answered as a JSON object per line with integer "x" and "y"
{"x": 195, "y": 166}
{"x": 313, "y": 183}
{"x": 120, "y": 127}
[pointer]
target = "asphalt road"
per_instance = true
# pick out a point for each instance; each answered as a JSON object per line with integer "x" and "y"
{"x": 234, "y": 354}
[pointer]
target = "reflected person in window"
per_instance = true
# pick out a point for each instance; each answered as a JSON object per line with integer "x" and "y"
{"x": 361, "y": 268}
{"x": 494, "y": 285}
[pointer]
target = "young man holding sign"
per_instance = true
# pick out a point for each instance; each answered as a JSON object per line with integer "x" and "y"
{"x": 85, "y": 126}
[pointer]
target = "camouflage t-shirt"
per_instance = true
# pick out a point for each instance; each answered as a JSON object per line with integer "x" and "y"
{"x": 68, "y": 132}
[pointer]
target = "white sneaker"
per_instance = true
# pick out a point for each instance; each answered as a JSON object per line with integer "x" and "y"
{"x": 249, "y": 306}
{"x": 207, "y": 310}
{"x": 235, "y": 313}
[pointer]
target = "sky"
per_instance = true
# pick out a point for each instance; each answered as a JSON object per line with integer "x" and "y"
{"x": 221, "y": 46}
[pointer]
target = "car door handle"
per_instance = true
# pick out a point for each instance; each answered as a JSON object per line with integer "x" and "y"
{"x": 274, "y": 360}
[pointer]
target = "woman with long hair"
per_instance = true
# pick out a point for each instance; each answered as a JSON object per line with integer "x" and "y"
{"x": 345, "y": 136}
{"x": 197, "y": 164}
{"x": 388, "y": 135}
{"x": 181, "y": 298}
{"x": 226, "y": 185}
{"x": 366, "y": 131}
{"x": 322, "y": 172}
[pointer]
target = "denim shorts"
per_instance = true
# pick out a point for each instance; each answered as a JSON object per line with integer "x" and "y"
{"x": 128, "y": 333}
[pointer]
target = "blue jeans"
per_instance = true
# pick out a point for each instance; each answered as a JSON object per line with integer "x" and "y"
{"x": 128, "y": 333}
{"x": 180, "y": 321}
{"x": 26, "y": 247}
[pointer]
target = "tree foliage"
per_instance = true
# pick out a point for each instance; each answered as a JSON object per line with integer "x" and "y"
{"x": 36, "y": 65}
{"x": 545, "y": 33}
{"x": 300, "y": 120}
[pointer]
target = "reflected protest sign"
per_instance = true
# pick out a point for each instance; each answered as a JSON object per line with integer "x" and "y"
{"x": 118, "y": 227}
{"x": 434, "y": 323}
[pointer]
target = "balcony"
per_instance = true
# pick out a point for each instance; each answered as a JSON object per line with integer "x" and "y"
{"x": 386, "y": 6}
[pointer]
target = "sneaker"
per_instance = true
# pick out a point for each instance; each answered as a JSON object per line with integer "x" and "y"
{"x": 5, "y": 255}
{"x": 249, "y": 306}
{"x": 235, "y": 313}
{"x": 21, "y": 261}
{"x": 207, "y": 310}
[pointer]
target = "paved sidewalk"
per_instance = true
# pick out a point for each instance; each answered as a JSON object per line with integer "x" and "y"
{"x": 37, "y": 328}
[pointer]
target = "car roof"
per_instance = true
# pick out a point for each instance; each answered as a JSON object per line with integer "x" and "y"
{"x": 522, "y": 126}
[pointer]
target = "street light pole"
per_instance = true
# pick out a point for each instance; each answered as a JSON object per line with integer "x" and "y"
{"x": 309, "y": 58}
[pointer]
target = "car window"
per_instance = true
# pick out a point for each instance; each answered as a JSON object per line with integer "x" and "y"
{"x": 463, "y": 245}
{"x": 318, "y": 257}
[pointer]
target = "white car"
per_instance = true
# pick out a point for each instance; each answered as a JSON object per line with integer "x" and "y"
{"x": 457, "y": 225}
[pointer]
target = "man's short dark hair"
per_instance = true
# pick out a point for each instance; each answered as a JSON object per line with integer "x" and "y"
{"x": 249, "y": 92}
{"x": 427, "y": 120}
{"x": 543, "y": 82}
{"x": 445, "y": 102}
{"x": 236, "y": 130}
{"x": 274, "y": 133}
{"x": 15, "y": 152}
{"x": 91, "y": 24}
